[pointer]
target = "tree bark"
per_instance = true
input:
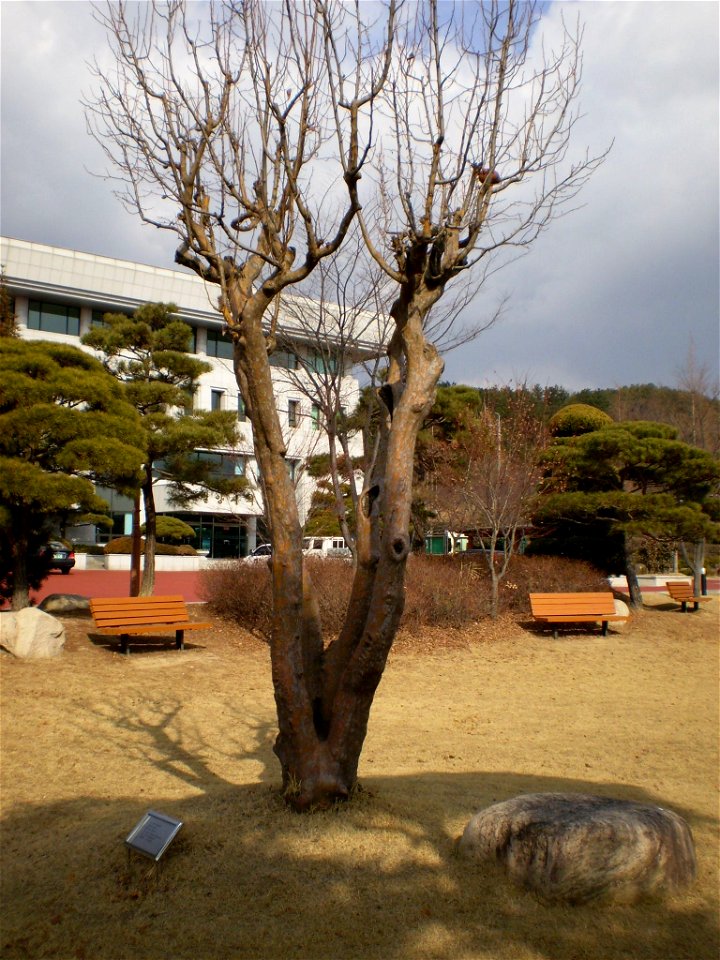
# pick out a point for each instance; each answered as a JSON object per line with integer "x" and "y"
{"x": 631, "y": 575}
{"x": 19, "y": 552}
{"x": 136, "y": 548}
{"x": 147, "y": 585}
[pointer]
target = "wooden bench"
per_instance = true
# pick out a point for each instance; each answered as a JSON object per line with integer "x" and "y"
{"x": 682, "y": 592}
{"x": 128, "y": 616}
{"x": 558, "y": 608}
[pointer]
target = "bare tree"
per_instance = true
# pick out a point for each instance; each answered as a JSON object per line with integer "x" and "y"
{"x": 702, "y": 420}
{"x": 489, "y": 481}
{"x": 344, "y": 329}
{"x": 230, "y": 132}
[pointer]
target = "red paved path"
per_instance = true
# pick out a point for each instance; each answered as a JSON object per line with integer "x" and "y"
{"x": 116, "y": 583}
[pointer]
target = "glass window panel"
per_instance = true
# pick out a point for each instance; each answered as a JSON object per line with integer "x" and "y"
{"x": 34, "y": 312}
{"x": 54, "y": 318}
{"x": 219, "y": 345}
{"x": 282, "y": 358}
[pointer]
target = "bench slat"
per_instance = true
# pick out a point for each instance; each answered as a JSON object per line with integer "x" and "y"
{"x": 119, "y": 631}
{"x": 565, "y": 608}
{"x": 125, "y": 616}
{"x": 683, "y": 592}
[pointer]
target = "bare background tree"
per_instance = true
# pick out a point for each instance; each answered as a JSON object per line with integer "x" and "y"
{"x": 487, "y": 480}
{"x": 228, "y": 132}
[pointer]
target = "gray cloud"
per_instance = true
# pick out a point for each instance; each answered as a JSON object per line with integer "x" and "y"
{"x": 608, "y": 295}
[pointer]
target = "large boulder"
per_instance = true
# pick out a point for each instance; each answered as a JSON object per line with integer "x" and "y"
{"x": 574, "y": 848}
{"x": 64, "y": 603}
{"x": 31, "y": 634}
{"x": 623, "y": 610}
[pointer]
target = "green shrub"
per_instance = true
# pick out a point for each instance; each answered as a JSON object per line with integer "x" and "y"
{"x": 94, "y": 549}
{"x": 578, "y": 418}
{"x": 124, "y": 545}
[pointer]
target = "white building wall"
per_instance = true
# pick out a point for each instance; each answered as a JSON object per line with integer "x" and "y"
{"x": 52, "y": 274}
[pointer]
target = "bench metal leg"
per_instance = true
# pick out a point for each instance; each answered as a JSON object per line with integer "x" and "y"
{"x": 124, "y": 645}
{"x": 179, "y": 639}
{"x": 604, "y": 628}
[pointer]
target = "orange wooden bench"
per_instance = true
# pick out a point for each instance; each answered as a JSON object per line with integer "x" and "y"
{"x": 682, "y": 591}
{"x": 129, "y": 616}
{"x": 560, "y": 608}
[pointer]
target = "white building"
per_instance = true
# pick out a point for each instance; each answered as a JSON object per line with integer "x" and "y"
{"x": 58, "y": 295}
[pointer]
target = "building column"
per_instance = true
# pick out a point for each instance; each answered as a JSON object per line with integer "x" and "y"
{"x": 22, "y": 305}
{"x": 85, "y": 320}
{"x": 201, "y": 339}
{"x": 251, "y": 533}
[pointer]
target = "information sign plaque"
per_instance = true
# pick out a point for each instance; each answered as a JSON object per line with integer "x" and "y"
{"x": 153, "y": 834}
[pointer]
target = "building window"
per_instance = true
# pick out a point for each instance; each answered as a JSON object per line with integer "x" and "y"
{"x": 54, "y": 318}
{"x": 216, "y": 399}
{"x": 292, "y": 469}
{"x": 219, "y": 345}
{"x": 241, "y": 412}
{"x": 98, "y": 318}
{"x": 293, "y": 413}
{"x": 316, "y": 417}
{"x": 319, "y": 363}
{"x": 282, "y": 358}
{"x": 223, "y": 464}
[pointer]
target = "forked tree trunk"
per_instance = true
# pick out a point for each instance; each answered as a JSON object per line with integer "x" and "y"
{"x": 324, "y": 693}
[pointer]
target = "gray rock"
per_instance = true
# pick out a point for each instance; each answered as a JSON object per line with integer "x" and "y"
{"x": 575, "y": 848}
{"x": 623, "y": 610}
{"x": 64, "y": 603}
{"x": 31, "y": 634}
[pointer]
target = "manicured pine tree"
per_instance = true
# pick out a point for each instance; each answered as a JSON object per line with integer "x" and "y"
{"x": 628, "y": 479}
{"x": 148, "y": 354}
{"x": 64, "y": 425}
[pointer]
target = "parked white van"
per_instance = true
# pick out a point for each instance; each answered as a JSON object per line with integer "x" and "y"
{"x": 326, "y": 547}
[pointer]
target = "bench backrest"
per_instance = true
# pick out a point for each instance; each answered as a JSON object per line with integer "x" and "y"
{"x": 122, "y": 611}
{"x": 568, "y": 604}
{"x": 680, "y": 589}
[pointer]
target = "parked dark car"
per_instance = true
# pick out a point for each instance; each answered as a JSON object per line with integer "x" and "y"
{"x": 57, "y": 556}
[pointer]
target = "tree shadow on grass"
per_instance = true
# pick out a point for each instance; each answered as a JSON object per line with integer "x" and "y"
{"x": 375, "y": 878}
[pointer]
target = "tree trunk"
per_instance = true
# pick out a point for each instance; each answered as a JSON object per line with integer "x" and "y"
{"x": 631, "y": 575}
{"x": 324, "y": 695}
{"x": 19, "y": 552}
{"x": 136, "y": 548}
{"x": 696, "y": 562}
{"x": 147, "y": 585}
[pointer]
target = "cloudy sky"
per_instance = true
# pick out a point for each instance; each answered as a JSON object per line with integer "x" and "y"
{"x": 612, "y": 294}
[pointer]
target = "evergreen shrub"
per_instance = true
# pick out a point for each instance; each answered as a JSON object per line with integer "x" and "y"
{"x": 124, "y": 545}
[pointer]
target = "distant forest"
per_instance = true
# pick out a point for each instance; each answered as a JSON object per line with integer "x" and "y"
{"x": 694, "y": 413}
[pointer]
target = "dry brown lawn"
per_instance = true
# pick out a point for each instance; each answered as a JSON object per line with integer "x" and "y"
{"x": 94, "y": 739}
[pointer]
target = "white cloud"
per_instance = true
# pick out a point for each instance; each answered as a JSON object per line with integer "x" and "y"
{"x": 609, "y": 294}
